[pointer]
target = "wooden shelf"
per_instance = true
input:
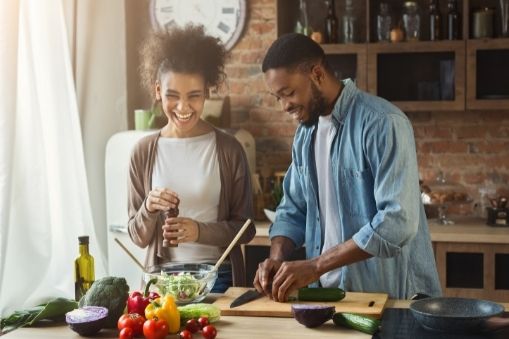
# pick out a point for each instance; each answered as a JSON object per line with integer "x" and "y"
{"x": 364, "y": 57}
{"x": 358, "y": 58}
{"x": 416, "y": 63}
{"x": 495, "y": 71}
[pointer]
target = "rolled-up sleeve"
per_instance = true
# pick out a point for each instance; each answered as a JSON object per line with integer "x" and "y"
{"x": 290, "y": 219}
{"x": 390, "y": 151}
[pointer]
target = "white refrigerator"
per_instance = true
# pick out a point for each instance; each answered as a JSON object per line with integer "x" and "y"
{"x": 118, "y": 152}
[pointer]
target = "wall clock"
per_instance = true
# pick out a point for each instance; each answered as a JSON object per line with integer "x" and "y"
{"x": 223, "y": 19}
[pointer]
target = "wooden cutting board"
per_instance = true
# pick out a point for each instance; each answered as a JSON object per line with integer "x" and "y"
{"x": 355, "y": 302}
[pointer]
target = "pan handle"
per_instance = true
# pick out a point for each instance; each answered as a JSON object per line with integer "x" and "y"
{"x": 495, "y": 323}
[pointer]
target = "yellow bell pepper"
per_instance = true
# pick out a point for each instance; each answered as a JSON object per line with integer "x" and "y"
{"x": 166, "y": 309}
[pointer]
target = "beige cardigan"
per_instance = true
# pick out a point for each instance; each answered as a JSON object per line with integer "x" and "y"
{"x": 235, "y": 204}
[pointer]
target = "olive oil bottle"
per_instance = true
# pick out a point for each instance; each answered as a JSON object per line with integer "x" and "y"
{"x": 84, "y": 275}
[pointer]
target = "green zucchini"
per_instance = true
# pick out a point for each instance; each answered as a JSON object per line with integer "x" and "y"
{"x": 358, "y": 322}
{"x": 320, "y": 294}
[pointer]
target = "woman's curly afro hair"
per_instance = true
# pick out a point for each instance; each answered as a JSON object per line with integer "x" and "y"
{"x": 182, "y": 50}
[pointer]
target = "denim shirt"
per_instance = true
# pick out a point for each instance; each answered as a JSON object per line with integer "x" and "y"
{"x": 375, "y": 171}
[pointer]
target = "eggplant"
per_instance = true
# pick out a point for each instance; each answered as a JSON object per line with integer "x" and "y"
{"x": 312, "y": 315}
{"x": 87, "y": 320}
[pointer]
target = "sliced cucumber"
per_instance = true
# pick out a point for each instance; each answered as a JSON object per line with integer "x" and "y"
{"x": 358, "y": 322}
{"x": 320, "y": 294}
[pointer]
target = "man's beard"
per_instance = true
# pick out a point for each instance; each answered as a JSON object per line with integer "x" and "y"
{"x": 317, "y": 106}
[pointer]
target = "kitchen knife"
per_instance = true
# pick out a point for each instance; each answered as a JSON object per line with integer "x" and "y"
{"x": 246, "y": 297}
{"x": 302, "y": 294}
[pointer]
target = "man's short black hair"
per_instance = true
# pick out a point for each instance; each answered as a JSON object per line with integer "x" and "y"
{"x": 291, "y": 50}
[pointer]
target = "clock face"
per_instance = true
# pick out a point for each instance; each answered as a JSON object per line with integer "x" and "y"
{"x": 223, "y": 19}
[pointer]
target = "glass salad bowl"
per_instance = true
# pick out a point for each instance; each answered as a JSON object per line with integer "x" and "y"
{"x": 187, "y": 282}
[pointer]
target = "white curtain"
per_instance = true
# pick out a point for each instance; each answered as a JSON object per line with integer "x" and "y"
{"x": 44, "y": 198}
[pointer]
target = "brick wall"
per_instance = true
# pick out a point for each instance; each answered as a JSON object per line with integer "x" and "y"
{"x": 471, "y": 148}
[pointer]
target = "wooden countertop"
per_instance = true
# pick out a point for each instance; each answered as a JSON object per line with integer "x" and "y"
{"x": 228, "y": 327}
{"x": 465, "y": 230}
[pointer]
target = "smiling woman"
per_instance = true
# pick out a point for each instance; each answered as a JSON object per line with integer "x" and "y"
{"x": 189, "y": 165}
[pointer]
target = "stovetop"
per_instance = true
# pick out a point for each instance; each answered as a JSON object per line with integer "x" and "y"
{"x": 398, "y": 323}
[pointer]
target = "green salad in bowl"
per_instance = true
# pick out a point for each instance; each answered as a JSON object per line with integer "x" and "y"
{"x": 188, "y": 283}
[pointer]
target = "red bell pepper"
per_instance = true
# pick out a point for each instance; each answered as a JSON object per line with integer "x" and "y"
{"x": 137, "y": 302}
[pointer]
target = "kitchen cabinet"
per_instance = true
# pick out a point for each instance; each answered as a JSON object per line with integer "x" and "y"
{"x": 424, "y": 75}
{"x": 472, "y": 258}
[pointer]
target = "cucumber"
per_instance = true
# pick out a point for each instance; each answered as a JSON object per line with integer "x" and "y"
{"x": 358, "y": 322}
{"x": 320, "y": 294}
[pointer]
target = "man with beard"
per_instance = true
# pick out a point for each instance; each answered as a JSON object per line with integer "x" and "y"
{"x": 351, "y": 193}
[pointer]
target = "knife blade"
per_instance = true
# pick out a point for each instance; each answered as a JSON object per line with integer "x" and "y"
{"x": 246, "y": 297}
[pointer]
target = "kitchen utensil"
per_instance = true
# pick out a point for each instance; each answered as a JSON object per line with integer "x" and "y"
{"x": 130, "y": 254}
{"x": 228, "y": 249}
{"x": 354, "y": 302}
{"x": 458, "y": 315}
{"x": 245, "y": 298}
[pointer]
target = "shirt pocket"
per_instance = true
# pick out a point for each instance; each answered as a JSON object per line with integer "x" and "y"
{"x": 357, "y": 192}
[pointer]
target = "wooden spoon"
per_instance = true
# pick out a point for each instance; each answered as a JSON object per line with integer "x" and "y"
{"x": 225, "y": 254}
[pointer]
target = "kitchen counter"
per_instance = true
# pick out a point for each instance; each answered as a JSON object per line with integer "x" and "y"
{"x": 465, "y": 230}
{"x": 228, "y": 327}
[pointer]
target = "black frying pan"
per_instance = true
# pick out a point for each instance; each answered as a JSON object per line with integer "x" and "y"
{"x": 458, "y": 315}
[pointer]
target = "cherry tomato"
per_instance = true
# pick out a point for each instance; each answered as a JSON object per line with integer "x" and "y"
{"x": 185, "y": 334}
{"x": 155, "y": 329}
{"x": 133, "y": 321}
{"x": 192, "y": 326}
{"x": 126, "y": 333}
{"x": 209, "y": 332}
{"x": 203, "y": 321}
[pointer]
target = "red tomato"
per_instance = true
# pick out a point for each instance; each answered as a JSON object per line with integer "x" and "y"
{"x": 133, "y": 321}
{"x": 185, "y": 334}
{"x": 203, "y": 321}
{"x": 155, "y": 329}
{"x": 209, "y": 332}
{"x": 126, "y": 333}
{"x": 192, "y": 326}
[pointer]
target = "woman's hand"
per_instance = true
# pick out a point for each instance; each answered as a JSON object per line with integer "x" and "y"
{"x": 180, "y": 229}
{"x": 161, "y": 199}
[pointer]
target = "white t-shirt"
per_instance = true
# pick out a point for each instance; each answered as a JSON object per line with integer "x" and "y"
{"x": 189, "y": 167}
{"x": 329, "y": 217}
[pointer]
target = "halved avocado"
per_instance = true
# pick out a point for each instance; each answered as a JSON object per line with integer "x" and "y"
{"x": 312, "y": 315}
{"x": 87, "y": 320}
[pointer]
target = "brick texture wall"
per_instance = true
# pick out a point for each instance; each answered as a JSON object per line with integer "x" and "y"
{"x": 470, "y": 148}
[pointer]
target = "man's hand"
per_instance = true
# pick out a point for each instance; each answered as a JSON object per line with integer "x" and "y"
{"x": 263, "y": 277}
{"x": 292, "y": 275}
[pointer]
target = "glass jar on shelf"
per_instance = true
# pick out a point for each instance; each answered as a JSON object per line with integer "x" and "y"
{"x": 302, "y": 24}
{"x": 349, "y": 24}
{"x": 384, "y": 23}
{"x": 411, "y": 21}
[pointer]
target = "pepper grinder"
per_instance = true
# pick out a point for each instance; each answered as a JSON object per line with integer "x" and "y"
{"x": 171, "y": 213}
